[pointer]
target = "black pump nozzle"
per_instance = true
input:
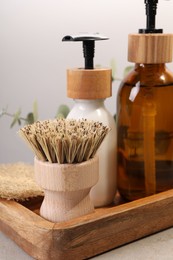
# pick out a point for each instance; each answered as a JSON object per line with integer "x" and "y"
{"x": 88, "y": 46}
{"x": 151, "y": 10}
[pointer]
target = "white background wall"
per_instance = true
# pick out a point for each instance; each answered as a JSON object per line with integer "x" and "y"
{"x": 33, "y": 59}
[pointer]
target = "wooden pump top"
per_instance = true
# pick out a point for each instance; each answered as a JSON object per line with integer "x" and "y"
{"x": 150, "y": 48}
{"x": 89, "y": 83}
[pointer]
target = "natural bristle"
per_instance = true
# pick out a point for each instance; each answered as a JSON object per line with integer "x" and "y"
{"x": 64, "y": 140}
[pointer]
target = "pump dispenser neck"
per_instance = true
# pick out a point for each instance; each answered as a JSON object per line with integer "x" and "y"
{"x": 88, "y": 51}
{"x": 151, "y": 10}
{"x": 88, "y": 46}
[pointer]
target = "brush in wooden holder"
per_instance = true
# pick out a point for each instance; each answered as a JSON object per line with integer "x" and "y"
{"x": 66, "y": 188}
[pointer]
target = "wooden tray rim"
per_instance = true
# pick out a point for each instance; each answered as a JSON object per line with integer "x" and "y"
{"x": 103, "y": 215}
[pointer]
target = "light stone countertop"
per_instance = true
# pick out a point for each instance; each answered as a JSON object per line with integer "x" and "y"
{"x": 155, "y": 247}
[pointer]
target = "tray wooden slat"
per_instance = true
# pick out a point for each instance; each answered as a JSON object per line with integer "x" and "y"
{"x": 87, "y": 236}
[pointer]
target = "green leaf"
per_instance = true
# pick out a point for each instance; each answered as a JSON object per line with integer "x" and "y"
{"x": 30, "y": 118}
{"x": 60, "y": 115}
{"x": 127, "y": 70}
{"x": 16, "y": 118}
{"x": 19, "y": 121}
{"x": 62, "y": 111}
{"x": 3, "y": 111}
{"x": 35, "y": 111}
{"x": 113, "y": 67}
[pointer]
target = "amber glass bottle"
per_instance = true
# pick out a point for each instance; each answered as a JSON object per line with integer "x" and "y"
{"x": 145, "y": 119}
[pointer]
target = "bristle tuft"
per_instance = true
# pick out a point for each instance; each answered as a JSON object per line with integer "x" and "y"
{"x": 64, "y": 140}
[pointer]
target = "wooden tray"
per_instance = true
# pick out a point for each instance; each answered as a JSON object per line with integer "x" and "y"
{"x": 87, "y": 236}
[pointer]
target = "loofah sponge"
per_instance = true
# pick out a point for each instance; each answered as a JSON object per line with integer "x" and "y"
{"x": 17, "y": 182}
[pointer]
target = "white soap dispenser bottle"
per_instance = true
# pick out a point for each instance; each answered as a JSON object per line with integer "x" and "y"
{"x": 89, "y": 87}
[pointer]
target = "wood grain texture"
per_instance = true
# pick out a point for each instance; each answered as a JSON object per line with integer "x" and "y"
{"x": 84, "y": 237}
{"x": 150, "y": 48}
{"x": 66, "y": 188}
{"x": 89, "y": 84}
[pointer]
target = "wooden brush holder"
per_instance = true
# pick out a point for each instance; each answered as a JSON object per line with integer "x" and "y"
{"x": 66, "y": 188}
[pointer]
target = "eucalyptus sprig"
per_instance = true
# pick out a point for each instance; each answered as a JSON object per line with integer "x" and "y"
{"x": 31, "y": 117}
{"x": 17, "y": 118}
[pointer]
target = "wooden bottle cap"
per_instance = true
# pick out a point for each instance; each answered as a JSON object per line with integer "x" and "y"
{"x": 89, "y": 84}
{"x": 150, "y": 48}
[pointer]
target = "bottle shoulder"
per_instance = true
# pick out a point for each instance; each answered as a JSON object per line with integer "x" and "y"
{"x": 99, "y": 114}
{"x": 148, "y": 76}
